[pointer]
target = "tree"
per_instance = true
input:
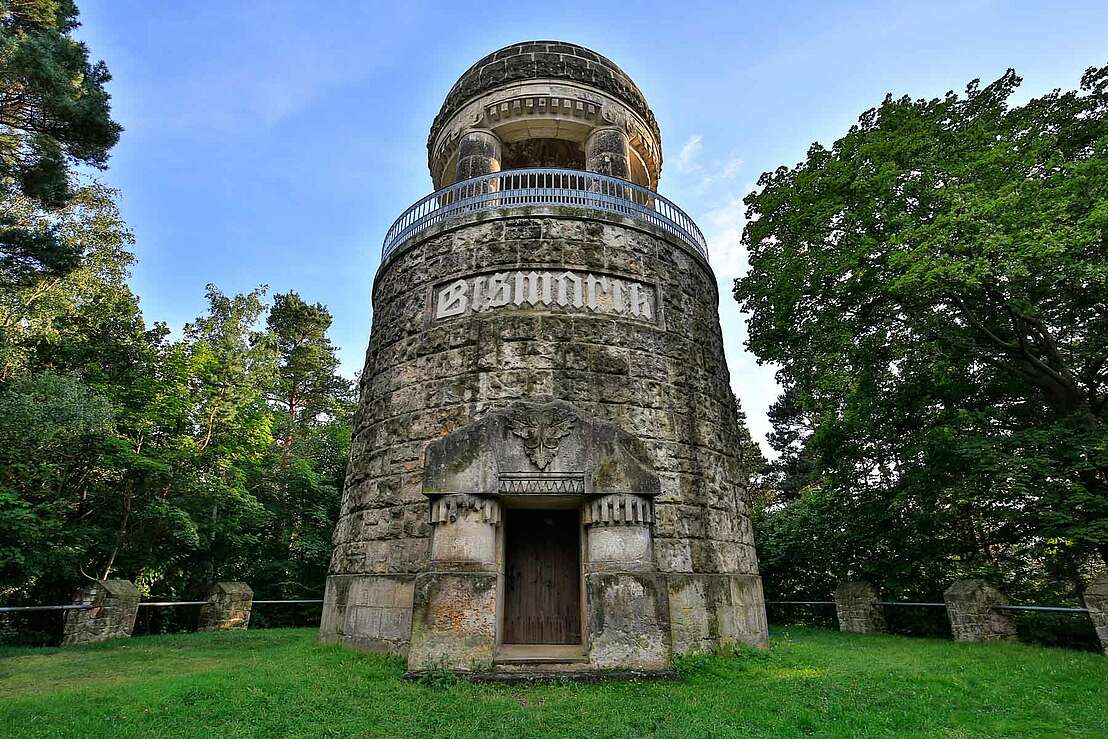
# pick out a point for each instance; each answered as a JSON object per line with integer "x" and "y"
{"x": 54, "y": 112}
{"x": 307, "y": 384}
{"x": 301, "y": 487}
{"x": 932, "y": 287}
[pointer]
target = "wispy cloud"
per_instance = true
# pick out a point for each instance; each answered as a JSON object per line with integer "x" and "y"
{"x": 686, "y": 160}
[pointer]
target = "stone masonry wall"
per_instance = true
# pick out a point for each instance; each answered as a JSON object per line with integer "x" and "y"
{"x": 114, "y": 607}
{"x": 663, "y": 380}
{"x": 1096, "y": 600}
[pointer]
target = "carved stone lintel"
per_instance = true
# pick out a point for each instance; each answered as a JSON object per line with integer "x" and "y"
{"x": 620, "y": 509}
{"x": 448, "y": 508}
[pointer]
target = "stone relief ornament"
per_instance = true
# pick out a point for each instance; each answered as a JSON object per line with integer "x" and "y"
{"x": 568, "y": 291}
{"x": 541, "y": 430}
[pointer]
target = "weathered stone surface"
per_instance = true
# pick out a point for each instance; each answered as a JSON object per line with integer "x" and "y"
{"x": 971, "y": 606}
{"x": 464, "y": 538}
{"x": 453, "y": 621}
{"x": 545, "y": 357}
{"x": 112, "y": 616}
{"x": 369, "y": 612}
{"x": 538, "y": 448}
{"x": 628, "y": 621}
{"x": 228, "y": 608}
{"x": 478, "y": 154}
{"x": 626, "y": 548}
{"x": 857, "y": 610}
{"x": 607, "y": 152}
{"x": 709, "y": 611}
{"x": 1096, "y": 600}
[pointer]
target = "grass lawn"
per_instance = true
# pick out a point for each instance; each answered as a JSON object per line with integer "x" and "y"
{"x": 811, "y": 682}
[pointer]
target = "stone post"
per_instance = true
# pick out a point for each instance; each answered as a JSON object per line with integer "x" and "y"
{"x": 228, "y": 608}
{"x": 607, "y": 151}
{"x": 627, "y": 600}
{"x": 971, "y": 606}
{"x": 479, "y": 153}
{"x": 857, "y": 610}
{"x": 454, "y": 610}
{"x": 112, "y": 616}
{"x": 1096, "y": 600}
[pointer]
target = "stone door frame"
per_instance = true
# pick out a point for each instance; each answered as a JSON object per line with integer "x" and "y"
{"x": 539, "y": 455}
{"x": 543, "y": 502}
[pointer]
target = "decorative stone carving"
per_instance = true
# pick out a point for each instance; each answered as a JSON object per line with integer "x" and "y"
{"x": 447, "y": 508}
{"x": 540, "y": 484}
{"x": 567, "y": 291}
{"x": 541, "y": 430}
{"x": 112, "y": 615}
{"x": 971, "y": 606}
{"x": 857, "y": 609}
{"x": 619, "y": 509}
{"x": 483, "y": 455}
{"x": 1096, "y": 600}
{"x": 229, "y": 607}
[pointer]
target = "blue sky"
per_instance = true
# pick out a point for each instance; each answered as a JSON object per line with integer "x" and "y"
{"x": 274, "y": 142}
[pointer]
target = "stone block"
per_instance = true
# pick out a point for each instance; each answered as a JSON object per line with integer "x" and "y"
{"x": 114, "y": 606}
{"x": 628, "y": 621}
{"x": 453, "y": 621}
{"x": 1096, "y": 600}
{"x": 620, "y": 549}
{"x": 709, "y": 611}
{"x": 229, "y": 605}
{"x": 371, "y": 612}
{"x": 857, "y": 609}
{"x": 971, "y": 606}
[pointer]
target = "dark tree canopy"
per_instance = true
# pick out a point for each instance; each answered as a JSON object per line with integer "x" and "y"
{"x": 54, "y": 113}
{"x": 934, "y": 288}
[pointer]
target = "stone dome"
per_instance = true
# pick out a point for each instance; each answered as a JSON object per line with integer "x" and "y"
{"x": 549, "y": 60}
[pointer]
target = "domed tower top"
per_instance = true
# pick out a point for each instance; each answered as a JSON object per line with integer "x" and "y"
{"x": 545, "y": 104}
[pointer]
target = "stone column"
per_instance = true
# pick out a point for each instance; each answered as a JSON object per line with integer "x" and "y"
{"x": 229, "y": 607}
{"x": 627, "y": 599}
{"x": 608, "y": 151}
{"x": 454, "y": 613}
{"x": 971, "y": 606}
{"x": 1096, "y": 600}
{"x": 478, "y": 153}
{"x": 857, "y": 610}
{"x": 112, "y": 616}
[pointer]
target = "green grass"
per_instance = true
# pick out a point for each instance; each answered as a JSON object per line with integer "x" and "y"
{"x": 811, "y": 682}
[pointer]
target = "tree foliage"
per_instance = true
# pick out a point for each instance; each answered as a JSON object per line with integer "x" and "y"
{"x": 54, "y": 113}
{"x": 933, "y": 288}
{"x": 125, "y": 452}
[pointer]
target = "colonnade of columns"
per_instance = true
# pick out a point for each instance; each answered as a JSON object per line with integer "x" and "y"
{"x": 607, "y": 152}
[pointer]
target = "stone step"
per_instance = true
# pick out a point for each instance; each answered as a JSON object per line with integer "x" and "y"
{"x": 540, "y": 654}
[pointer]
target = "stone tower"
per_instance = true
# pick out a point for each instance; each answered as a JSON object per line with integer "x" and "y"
{"x": 544, "y": 463}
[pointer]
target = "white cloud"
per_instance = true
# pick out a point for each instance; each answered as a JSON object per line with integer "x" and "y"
{"x": 689, "y": 152}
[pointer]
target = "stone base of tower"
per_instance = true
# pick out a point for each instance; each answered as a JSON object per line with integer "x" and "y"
{"x": 546, "y": 565}
{"x": 370, "y": 612}
{"x": 709, "y": 611}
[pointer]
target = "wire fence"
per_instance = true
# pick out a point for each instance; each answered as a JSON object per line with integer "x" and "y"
{"x": 1047, "y": 625}
{"x": 1050, "y": 609}
{"x": 143, "y": 604}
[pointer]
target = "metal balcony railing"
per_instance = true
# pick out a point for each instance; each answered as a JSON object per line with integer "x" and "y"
{"x": 544, "y": 186}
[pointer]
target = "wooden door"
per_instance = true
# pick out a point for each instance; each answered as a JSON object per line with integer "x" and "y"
{"x": 542, "y": 597}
